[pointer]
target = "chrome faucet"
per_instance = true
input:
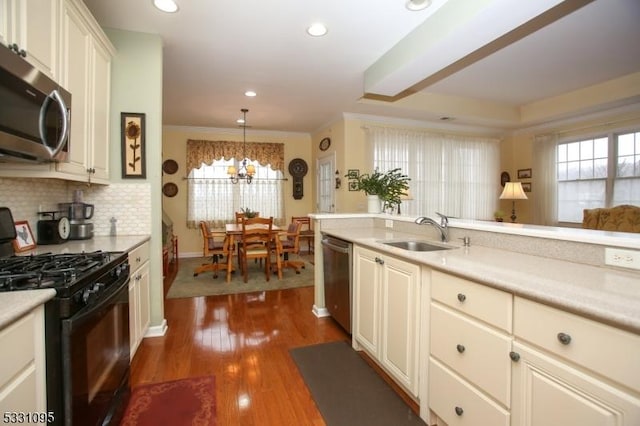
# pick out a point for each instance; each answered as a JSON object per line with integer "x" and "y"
{"x": 442, "y": 226}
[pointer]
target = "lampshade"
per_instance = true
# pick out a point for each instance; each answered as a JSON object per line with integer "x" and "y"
{"x": 513, "y": 191}
{"x": 231, "y": 170}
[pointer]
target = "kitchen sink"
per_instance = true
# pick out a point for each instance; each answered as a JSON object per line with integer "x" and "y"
{"x": 416, "y": 245}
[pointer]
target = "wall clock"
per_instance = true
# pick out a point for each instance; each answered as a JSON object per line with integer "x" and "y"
{"x": 298, "y": 169}
{"x": 325, "y": 144}
{"x": 504, "y": 178}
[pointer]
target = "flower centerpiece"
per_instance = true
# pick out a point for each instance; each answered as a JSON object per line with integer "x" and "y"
{"x": 383, "y": 189}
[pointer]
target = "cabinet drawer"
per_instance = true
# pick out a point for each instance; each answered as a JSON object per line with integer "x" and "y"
{"x": 478, "y": 353}
{"x": 606, "y": 350}
{"x": 17, "y": 341}
{"x": 492, "y": 306}
{"x": 458, "y": 403}
{"x": 138, "y": 256}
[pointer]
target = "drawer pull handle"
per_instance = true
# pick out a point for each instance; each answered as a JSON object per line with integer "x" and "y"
{"x": 564, "y": 338}
{"x": 462, "y": 297}
{"x": 460, "y": 348}
{"x": 459, "y": 411}
{"x": 379, "y": 261}
{"x": 515, "y": 356}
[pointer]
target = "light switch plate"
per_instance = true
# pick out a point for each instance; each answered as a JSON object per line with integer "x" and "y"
{"x": 622, "y": 257}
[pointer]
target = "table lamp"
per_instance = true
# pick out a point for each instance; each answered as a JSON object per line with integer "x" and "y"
{"x": 513, "y": 191}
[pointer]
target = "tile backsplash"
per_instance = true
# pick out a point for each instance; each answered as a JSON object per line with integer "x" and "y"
{"x": 129, "y": 204}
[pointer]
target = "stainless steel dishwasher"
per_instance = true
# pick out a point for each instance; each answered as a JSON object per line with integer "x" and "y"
{"x": 336, "y": 260}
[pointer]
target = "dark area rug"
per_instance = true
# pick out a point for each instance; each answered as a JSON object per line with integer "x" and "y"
{"x": 186, "y": 285}
{"x": 182, "y": 402}
{"x": 347, "y": 390}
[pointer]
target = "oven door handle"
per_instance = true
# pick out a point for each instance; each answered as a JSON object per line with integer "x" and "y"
{"x": 69, "y": 324}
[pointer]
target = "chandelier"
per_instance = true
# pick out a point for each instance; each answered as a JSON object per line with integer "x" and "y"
{"x": 246, "y": 171}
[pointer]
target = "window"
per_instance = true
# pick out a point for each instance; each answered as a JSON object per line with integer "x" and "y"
{"x": 602, "y": 171}
{"x": 453, "y": 175}
{"x": 215, "y": 199}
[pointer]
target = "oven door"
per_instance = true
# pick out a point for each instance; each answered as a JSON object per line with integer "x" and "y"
{"x": 95, "y": 350}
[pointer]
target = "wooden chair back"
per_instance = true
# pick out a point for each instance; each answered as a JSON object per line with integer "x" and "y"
{"x": 306, "y": 231}
{"x": 256, "y": 242}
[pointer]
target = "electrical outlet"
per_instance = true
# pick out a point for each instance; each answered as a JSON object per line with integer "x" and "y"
{"x": 388, "y": 223}
{"x": 622, "y": 257}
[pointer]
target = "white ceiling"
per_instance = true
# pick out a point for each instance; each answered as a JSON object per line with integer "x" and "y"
{"x": 215, "y": 50}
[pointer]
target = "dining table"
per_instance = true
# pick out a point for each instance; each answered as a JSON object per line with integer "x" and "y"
{"x": 234, "y": 230}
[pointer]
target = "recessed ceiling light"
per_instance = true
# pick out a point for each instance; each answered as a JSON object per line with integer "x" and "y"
{"x": 317, "y": 30}
{"x": 250, "y": 93}
{"x": 415, "y": 5}
{"x": 168, "y": 6}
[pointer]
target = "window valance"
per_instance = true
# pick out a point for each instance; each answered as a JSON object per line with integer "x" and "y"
{"x": 207, "y": 152}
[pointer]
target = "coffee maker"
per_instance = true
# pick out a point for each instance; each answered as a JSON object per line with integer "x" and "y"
{"x": 79, "y": 214}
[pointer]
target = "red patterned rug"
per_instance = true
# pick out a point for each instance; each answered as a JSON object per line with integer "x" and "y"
{"x": 185, "y": 402}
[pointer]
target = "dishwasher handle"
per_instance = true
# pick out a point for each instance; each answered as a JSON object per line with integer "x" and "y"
{"x": 330, "y": 243}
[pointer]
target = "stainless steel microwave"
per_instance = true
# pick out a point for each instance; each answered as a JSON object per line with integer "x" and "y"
{"x": 35, "y": 113}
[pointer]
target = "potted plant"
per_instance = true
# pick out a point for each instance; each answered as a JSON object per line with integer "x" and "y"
{"x": 383, "y": 189}
{"x": 498, "y": 215}
{"x": 248, "y": 213}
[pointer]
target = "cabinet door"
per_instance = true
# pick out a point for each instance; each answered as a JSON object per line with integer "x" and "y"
{"x": 133, "y": 317}
{"x": 144, "y": 305}
{"x": 366, "y": 296}
{"x": 549, "y": 392}
{"x": 33, "y": 26}
{"x": 399, "y": 321}
{"x": 101, "y": 95}
{"x": 77, "y": 42}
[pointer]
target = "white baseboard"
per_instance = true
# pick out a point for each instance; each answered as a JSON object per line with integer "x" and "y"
{"x": 320, "y": 312}
{"x": 158, "y": 330}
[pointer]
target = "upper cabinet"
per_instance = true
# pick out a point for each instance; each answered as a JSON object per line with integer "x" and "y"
{"x": 86, "y": 62}
{"x": 62, "y": 38}
{"x": 32, "y": 27}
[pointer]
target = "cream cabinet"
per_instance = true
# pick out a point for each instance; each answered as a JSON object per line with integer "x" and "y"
{"x": 22, "y": 376}
{"x": 570, "y": 370}
{"x": 86, "y": 74}
{"x": 33, "y": 27}
{"x": 139, "y": 304}
{"x": 387, "y": 313}
{"x": 470, "y": 342}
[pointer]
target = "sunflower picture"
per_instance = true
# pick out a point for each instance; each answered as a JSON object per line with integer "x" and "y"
{"x": 133, "y": 144}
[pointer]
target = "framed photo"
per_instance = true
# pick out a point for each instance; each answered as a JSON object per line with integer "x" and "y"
{"x": 134, "y": 162}
{"x": 353, "y": 185}
{"x": 526, "y": 186}
{"x": 353, "y": 174}
{"x": 524, "y": 174}
{"x": 24, "y": 237}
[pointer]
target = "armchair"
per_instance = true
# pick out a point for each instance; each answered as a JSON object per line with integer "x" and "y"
{"x": 217, "y": 246}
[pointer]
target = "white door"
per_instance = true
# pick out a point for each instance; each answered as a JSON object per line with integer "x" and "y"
{"x": 326, "y": 184}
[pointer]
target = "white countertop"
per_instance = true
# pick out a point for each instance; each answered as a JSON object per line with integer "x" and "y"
{"x": 605, "y": 294}
{"x": 14, "y": 304}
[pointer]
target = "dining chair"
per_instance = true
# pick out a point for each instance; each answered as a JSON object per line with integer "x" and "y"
{"x": 306, "y": 231}
{"x": 289, "y": 243}
{"x": 256, "y": 243}
{"x": 216, "y": 245}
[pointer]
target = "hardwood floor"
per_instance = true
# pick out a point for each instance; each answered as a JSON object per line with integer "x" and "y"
{"x": 243, "y": 340}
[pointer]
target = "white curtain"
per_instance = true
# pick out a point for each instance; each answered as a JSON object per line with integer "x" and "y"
{"x": 545, "y": 200}
{"x": 450, "y": 174}
{"x": 212, "y": 196}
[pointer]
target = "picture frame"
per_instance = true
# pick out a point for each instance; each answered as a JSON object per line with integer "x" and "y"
{"x": 526, "y": 186}
{"x": 24, "y": 237}
{"x": 353, "y": 185}
{"x": 133, "y": 146}
{"x": 524, "y": 173}
{"x": 353, "y": 173}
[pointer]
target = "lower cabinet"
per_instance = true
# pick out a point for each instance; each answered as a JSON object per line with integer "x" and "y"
{"x": 386, "y": 297}
{"x": 22, "y": 376}
{"x": 570, "y": 370}
{"x": 139, "y": 307}
{"x": 496, "y": 359}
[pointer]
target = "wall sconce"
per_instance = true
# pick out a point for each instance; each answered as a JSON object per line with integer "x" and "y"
{"x": 338, "y": 180}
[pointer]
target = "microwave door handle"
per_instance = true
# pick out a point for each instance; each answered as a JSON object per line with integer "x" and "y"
{"x": 54, "y": 96}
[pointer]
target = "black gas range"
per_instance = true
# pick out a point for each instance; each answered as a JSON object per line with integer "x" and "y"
{"x": 86, "y": 327}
